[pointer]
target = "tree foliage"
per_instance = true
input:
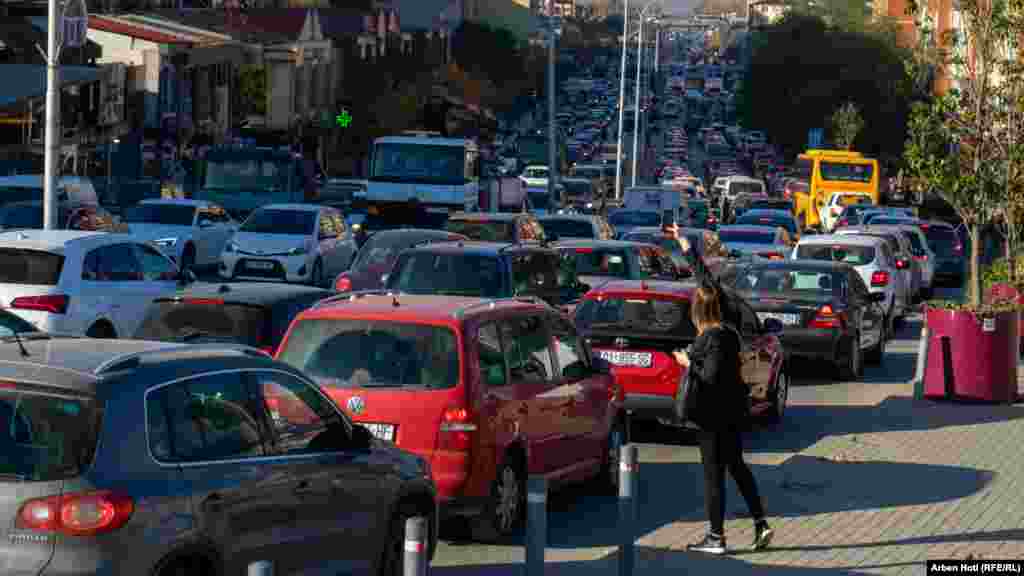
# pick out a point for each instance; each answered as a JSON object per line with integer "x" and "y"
{"x": 846, "y": 125}
{"x": 252, "y": 90}
{"x": 801, "y": 69}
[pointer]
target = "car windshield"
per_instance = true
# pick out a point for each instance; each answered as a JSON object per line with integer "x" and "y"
{"x": 745, "y": 188}
{"x": 634, "y": 218}
{"x": 484, "y": 230}
{"x": 18, "y": 216}
{"x": 452, "y": 274}
{"x": 845, "y": 172}
{"x": 20, "y": 194}
{"x": 888, "y": 221}
{"x": 772, "y": 205}
{"x": 746, "y": 237}
{"x": 167, "y": 214}
{"x": 276, "y": 221}
{"x": 851, "y": 254}
{"x": 598, "y": 261}
{"x": 46, "y": 434}
{"x": 567, "y": 228}
{"x": 942, "y": 240}
{"x": 373, "y": 353}
{"x": 630, "y": 315}
{"x": 791, "y": 283}
{"x": 767, "y": 220}
{"x": 18, "y": 266}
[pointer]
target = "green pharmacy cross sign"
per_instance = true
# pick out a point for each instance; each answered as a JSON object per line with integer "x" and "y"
{"x": 343, "y": 119}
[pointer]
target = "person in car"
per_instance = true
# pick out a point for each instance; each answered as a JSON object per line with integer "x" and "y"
{"x": 730, "y": 312}
{"x": 721, "y": 411}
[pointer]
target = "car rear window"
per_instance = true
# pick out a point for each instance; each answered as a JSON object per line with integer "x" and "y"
{"x": 18, "y": 266}
{"x": 452, "y": 274}
{"x": 942, "y": 240}
{"x": 794, "y": 283}
{"x": 635, "y": 218}
{"x": 484, "y": 231}
{"x": 598, "y": 261}
{"x": 381, "y": 249}
{"x": 745, "y": 188}
{"x": 746, "y": 237}
{"x": 850, "y": 254}
{"x": 916, "y": 246}
{"x": 644, "y": 315}
{"x": 204, "y": 320}
{"x": 45, "y": 433}
{"x": 373, "y": 354}
{"x": 567, "y": 228}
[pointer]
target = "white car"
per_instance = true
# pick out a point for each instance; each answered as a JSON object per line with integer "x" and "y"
{"x": 835, "y": 204}
{"x": 193, "y": 233}
{"x": 873, "y": 260}
{"x": 83, "y": 283}
{"x": 290, "y": 242}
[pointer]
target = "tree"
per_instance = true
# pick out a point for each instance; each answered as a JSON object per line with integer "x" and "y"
{"x": 252, "y": 90}
{"x": 846, "y": 125}
{"x": 1010, "y": 142}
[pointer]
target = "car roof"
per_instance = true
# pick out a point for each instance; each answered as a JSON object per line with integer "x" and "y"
{"x": 595, "y": 243}
{"x": 48, "y": 240}
{"x": 852, "y": 239}
{"x": 430, "y": 308}
{"x": 178, "y": 202}
{"x": 747, "y": 228}
{"x": 575, "y": 217}
{"x": 768, "y": 212}
{"x": 643, "y": 287}
{"x": 486, "y": 216}
{"x": 426, "y": 233}
{"x": 475, "y": 247}
{"x": 799, "y": 263}
{"x": 257, "y": 293}
{"x": 292, "y": 206}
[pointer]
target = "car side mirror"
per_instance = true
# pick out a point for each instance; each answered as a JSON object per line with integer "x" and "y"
{"x": 772, "y": 326}
{"x": 361, "y": 439}
{"x": 186, "y": 277}
{"x": 877, "y": 297}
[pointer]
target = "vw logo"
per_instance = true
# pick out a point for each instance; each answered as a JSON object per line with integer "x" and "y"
{"x": 356, "y": 405}
{"x": 621, "y": 342}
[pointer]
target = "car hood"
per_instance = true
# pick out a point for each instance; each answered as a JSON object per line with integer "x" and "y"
{"x": 255, "y": 243}
{"x": 146, "y": 231}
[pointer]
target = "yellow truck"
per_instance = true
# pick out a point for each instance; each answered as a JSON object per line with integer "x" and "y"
{"x": 826, "y": 173}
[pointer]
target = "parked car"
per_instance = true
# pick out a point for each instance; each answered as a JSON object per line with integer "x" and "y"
{"x": 512, "y": 227}
{"x": 485, "y": 270}
{"x": 825, "y": 310}
{"x": 872, "y": 258}
{"x": 290, "y": 243}
{"x": 193, "y": 233}
{"x": 90, "y": 283}
{"x": 256, "y": 314}
{"x": 486, "y": 391}
{"x": 764, "y": 241}
{"x": 595, "y": 262}
{"x": 227, "y": 455}
{"x": 378, "y": 254}
{"x": 635, "y": 326}
{"x": 562, "y": 226}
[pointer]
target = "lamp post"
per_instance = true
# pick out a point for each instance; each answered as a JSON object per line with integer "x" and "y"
{"x": 636, "y": 102}
{"x": 622, "y": 101}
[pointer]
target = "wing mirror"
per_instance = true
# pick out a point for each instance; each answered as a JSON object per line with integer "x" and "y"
{"x": 362, "y": 439}
{"x": 186, "y": 277}
{"x": 772, "y": 326}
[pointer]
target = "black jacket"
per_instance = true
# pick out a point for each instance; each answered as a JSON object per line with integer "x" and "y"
{"x": 730, "y": 311}
{"x": 722, "y": 397}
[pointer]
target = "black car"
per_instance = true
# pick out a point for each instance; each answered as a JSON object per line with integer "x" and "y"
{"x": 253, "y": 313}
{"x": 561, "y": 226}
{"x": 826, "y": 310}
{"x": 485, "y": 270}
{"x": 496, "y": 226}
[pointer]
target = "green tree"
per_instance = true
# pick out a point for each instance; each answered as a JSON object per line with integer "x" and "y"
{"x": 846, "y": 125}
{"x": 252, "y": 89}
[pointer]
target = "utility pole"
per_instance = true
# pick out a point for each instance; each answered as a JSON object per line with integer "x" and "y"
{"x": 552, "y": 125}
{"x": 52, "y": 130}
{"x": 622, "y": 100}
{"x": 636, "y": 100}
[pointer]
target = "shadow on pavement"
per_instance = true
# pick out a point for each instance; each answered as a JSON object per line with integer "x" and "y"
{"x": 803, "y": 485}
{"x": 974, "y": 537}
{"x": 655, "y": 562}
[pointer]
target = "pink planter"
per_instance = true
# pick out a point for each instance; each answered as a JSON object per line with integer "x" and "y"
{"x": 1007, "y": 292}
{"x": 983, "y": 356}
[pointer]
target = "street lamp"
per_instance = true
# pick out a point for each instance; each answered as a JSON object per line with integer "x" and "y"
{"x": 636, "y": 101}
{"x": 622, "y": 94}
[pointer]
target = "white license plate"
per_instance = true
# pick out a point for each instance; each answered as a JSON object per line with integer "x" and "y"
{"x": 786, "y": 319}
{"x": 259, "y": 265}
{"x": 384, "y": 432}
{"x": 620, "y": 358}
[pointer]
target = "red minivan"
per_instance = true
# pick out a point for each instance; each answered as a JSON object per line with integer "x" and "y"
{"x": 489, "y": 391}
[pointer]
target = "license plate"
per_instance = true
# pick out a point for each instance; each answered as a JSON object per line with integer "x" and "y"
{"x": 620, "y": 358}
{"x": 384, "y": 432}
{"x": 258, "y": 265}
{"x": 786, "y": 319}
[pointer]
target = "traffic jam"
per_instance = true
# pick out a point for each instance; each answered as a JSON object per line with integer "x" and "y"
{"x": 208, "y": 386}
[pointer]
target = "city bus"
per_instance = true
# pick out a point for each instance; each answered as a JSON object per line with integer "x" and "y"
{"x": 827, "y": 172}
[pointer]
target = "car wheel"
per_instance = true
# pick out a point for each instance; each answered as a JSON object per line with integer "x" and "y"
{"x": 853, "y": 366}
{"x": 102, "y": 330}
{"x": 780, "y": 396}
{"x": 506, "y": 510}
{"x": 609, "y": 477}
{"x": 188, "y": 258}
{"x": 316, "y": 277}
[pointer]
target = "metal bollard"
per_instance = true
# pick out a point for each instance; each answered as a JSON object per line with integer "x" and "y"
{"x": 261, "y": 568}
{"x": 536, "y": 524}
{"x": 629, "y": 475}
{"x": 416, "y": 547}
{"x": 922, "y": 362}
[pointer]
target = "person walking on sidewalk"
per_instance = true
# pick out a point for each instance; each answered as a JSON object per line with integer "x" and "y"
{"x": 722, "y": 409}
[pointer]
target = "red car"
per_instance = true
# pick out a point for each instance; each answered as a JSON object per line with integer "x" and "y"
{"x": 488, "y": 391}
{"x": 636, "y": 326}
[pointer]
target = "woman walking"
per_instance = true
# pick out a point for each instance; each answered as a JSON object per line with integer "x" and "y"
{"x": 722, "y": 409}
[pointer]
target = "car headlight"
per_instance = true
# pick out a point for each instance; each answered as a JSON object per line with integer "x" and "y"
{"x": 231, "y": 247}
{"x": 166, "y": 242}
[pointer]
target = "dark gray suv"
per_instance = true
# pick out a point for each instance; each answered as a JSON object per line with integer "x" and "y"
{"x": 147, "y": 458}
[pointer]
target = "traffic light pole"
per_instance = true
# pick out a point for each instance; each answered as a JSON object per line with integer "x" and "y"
{"x": 553, "y": 166}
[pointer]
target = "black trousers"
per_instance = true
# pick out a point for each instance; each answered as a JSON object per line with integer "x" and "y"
{"x": 721, "y": 451}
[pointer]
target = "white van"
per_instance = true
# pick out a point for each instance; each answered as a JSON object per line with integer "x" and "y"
{"x": 28, "y": 187}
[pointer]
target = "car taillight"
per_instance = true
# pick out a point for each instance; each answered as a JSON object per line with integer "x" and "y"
{"x": 456, "y": 429}
{"x": 921, "y": 258}
{"x": 901, "y": 264}
{"x": 828, "y": 318}
{"x": 81, "y": 514}
{"x": 880, "y": 278}
{"x": 343, "y": 283}
{"x": 52, "y": 303}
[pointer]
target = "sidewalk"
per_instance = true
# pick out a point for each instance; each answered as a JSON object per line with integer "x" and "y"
{"x": 930, "y": 480}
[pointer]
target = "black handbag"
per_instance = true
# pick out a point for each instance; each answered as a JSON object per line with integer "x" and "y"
{"x": 685, "y": 405}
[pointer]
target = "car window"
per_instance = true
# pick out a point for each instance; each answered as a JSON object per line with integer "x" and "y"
{"x": 448, "y": 273}
{"x": 527, "y": 350}
{"x": 569, "y": 354}
{"x": 535, "y": 273}
{"x": 490, "y": 358}
{"x": 206, "y": 418}
{"x": 854, "y": 255}
{"x": 155, "y": 266}
{"x": 857, "y": 286}
{"x": 750, "y": 326}
{"x": 20, "y": 266}
{"x": 299, "y": 414}
{"x": 112, "y": 263}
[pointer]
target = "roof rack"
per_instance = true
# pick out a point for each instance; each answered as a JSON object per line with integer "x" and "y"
{"x": 132, "y": 359}
{"x": 461, "y": 311}
{"x": 351, "y": 296}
